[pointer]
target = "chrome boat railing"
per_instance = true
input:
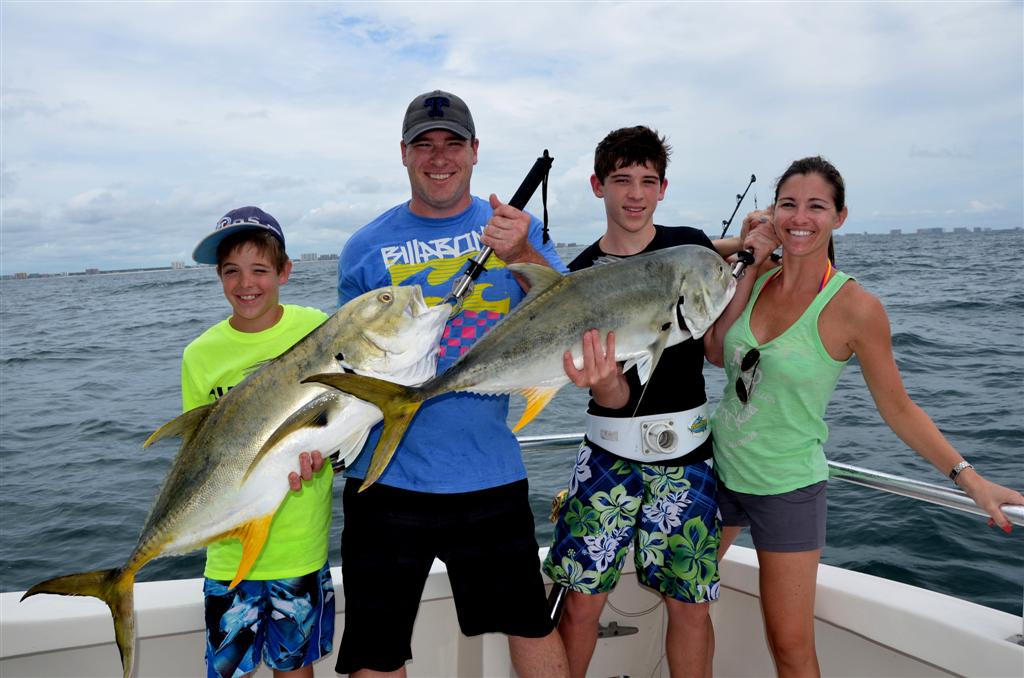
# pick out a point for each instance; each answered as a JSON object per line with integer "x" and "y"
{"x": 950, "y": 497}
{"x": 941, "y": 495}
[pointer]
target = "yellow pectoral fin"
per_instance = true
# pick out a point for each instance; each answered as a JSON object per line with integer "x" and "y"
{"x": 536, "y": 400}
{"x": 253, "y": 535}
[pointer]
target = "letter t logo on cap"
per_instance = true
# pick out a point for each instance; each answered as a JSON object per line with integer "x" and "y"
{"x": 435, "y": 106}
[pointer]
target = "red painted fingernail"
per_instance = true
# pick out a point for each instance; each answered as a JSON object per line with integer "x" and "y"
{"x": 991, "y": 523}
{"x": 1007, "y": 528}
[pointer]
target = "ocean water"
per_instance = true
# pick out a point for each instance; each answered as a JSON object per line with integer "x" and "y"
{"x": 89, "y": 367}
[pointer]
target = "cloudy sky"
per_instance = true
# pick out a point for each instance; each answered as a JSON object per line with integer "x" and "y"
{"x": 128, "y": 128}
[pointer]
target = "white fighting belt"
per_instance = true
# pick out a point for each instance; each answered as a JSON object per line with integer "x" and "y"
{"x": 651, "y": 439}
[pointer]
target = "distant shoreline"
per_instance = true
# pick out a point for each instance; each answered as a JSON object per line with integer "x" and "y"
{"x": 180, "y": 266}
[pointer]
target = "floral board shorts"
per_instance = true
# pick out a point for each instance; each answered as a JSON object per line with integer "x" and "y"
{"x": 289, "y": 623}
{"x": 669, "y": 513}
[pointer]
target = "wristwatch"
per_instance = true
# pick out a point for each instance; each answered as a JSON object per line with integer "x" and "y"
{"x": 958, "y": 468}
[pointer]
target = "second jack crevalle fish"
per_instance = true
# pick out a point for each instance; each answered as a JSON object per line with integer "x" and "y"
{"x": 651, "y": 301}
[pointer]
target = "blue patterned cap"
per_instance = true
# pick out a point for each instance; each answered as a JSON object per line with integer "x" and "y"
{"x": 241, "y": 219}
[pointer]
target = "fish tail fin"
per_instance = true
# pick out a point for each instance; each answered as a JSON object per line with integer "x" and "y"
{"x": 536, "y": 400}
{"x": 113, "y": 587}
{"x": 398, "y": 403}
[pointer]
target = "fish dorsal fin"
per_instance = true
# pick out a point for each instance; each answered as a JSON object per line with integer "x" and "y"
{"x": 314, "y": 414}
{"x": 183, "y": 425}
{"x": 253, "y": 536}
{"x": 606, "y": 259}
{"x": 258, "y": 366}
{"x": 539, "y": 276}
{"x": 536, "y": 400}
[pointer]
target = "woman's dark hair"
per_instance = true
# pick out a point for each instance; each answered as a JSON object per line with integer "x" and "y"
{"x": 827, "y": 171}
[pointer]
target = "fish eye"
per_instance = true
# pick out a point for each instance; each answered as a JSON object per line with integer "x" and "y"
{"x": 385, "y": 297}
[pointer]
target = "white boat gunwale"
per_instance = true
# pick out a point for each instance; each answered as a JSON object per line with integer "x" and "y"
{"x": 865, "y": 625}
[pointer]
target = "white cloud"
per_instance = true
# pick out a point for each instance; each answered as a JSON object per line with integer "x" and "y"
{"x": 977, "y": 206}
{"x": 139, "y": 124}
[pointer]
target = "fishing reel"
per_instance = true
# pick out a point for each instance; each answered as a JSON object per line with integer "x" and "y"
{"x": 744, "y": 258}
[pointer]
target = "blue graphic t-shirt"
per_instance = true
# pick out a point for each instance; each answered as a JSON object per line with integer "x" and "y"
{"x": 458, "y": 442}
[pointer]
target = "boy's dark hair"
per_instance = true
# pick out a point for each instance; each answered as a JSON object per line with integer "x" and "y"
{"x": 264, "y": 242}
{"x": 630, "y": 146}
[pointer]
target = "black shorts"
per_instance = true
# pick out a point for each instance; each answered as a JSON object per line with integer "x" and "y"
{"x": 391, "y": 537}
{"x": 790, "y": 522}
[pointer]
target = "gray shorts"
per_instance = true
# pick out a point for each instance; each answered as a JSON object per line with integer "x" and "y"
{"x": 788, "y": 522}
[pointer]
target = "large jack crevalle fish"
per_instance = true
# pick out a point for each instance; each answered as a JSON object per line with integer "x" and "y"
{"x": 651, "y": 301}
{"x": 231, "y": 472}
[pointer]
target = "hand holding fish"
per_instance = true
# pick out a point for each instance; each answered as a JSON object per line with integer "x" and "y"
{"x": 601, "y": 373}
{"x": 309, "y": 463}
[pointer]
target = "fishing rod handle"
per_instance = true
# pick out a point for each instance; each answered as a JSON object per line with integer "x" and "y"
{"x": 533, "y": 179}
{"x": 556, "y": 601}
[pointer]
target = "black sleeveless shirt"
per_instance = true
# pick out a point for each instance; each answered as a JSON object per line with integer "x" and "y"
{"x": 677, "y": 382}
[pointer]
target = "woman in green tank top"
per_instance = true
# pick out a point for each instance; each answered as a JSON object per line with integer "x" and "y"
{"x": 783, "y": 354}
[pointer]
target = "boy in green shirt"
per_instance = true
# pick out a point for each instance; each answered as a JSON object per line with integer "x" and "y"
{"x": 284, "y": 609}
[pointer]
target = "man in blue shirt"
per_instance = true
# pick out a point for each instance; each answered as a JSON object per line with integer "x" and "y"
{"x": 456, "y": 488}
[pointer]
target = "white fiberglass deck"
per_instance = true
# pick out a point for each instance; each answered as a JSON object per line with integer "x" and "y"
{"x": 866, "y": 626}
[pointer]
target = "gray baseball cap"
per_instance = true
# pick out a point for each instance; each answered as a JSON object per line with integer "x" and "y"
{"x": 437, "y": 110}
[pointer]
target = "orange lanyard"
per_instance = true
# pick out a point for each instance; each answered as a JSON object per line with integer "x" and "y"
{"x": 829, "y": 271}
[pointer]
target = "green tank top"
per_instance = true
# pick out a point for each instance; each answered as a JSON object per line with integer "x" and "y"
{"x": 214, "y": 362}
{"x": 774, "y": 442}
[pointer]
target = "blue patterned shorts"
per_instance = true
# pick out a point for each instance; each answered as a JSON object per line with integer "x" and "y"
{"x": 289, "y": 622}
{"x": 669, "y": 513}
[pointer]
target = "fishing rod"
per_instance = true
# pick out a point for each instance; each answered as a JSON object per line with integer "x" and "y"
{"x": 739, "y": 199}
{"x": 537, "y": 176}
{"x": 745, "y": 257}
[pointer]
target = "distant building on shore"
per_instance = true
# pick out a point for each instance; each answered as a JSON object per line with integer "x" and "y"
{"x": 313, "y": 256}
{"x": 929, "y": 231}
{"x": 896, "y": 231}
